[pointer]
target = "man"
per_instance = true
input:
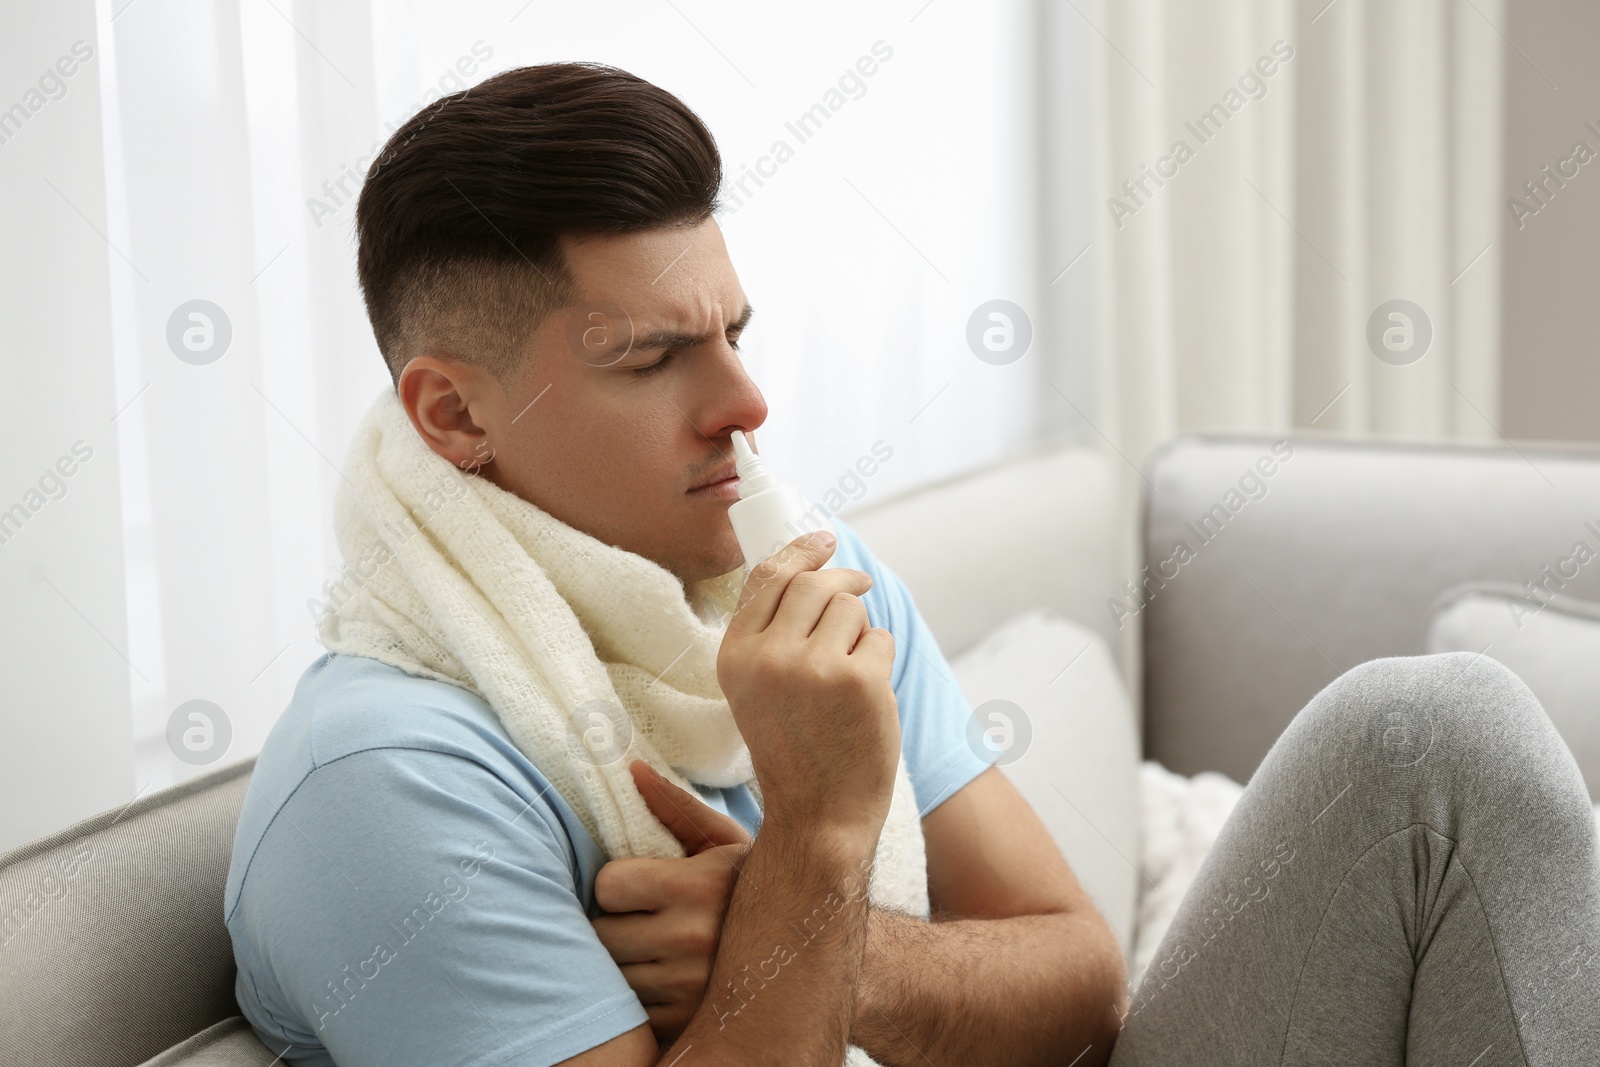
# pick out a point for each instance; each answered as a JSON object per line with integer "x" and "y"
{"x": 559, "y": 315}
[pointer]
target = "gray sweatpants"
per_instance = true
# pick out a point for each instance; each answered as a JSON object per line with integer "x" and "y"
{"x": 1412, "y": 876}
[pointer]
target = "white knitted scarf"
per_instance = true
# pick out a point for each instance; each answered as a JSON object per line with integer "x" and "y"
{"x": 592, "y": 656}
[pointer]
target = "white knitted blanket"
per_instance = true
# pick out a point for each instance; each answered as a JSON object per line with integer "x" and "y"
{"x": 592, "y": 656}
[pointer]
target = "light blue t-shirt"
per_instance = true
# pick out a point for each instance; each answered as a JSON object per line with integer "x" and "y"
{"x": 407, "y": 888}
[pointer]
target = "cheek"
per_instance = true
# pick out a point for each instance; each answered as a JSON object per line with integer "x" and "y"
{"x": 631, "y": 453}
{"x": 649, "y": 426}
{"x": 655, "y": 454}
{"x": 619, "y": 443}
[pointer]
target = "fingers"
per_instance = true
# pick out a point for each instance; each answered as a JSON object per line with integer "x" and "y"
{"x": 649, "y": 938}
{"x": 678, "y": 982}
{"x": 695, "y": 824}
{"x": 808, "y": 596}
{"x": 696, "y": 883}
{"x": 631, "y": 884}
{"x": 626, "y": 937}
{"x": 876, "y": 643}
{"x": 763, "y": 589}
{"x": 843, "y": 621}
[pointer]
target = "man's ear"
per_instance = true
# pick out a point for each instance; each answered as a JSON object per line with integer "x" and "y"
{"x": 447, "y": 400}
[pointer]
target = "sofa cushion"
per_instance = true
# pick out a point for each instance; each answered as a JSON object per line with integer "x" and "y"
{"x": 1062, "y": 729}
{"x": 229, "y": 1043}
{"x": 1551, "y": 642}
{"x": 112, "y": 945}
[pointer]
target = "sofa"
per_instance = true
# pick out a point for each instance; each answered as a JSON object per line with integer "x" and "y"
{"x": 1096, "y": 647}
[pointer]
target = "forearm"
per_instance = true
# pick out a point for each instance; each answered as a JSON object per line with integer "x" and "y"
{"x": 1024, "y": 990}
{"x": 781, "y": 986}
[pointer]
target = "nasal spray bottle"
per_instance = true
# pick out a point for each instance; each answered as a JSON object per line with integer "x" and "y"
{"x": 768, "y": 515}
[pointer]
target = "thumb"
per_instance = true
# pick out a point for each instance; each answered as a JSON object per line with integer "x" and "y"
{"x": 695, "y": 824}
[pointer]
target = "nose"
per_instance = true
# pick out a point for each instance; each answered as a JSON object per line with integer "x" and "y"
{"x": 732, "y": 401}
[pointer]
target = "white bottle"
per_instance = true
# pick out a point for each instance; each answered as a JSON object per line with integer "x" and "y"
{"x": 768, "y": 515}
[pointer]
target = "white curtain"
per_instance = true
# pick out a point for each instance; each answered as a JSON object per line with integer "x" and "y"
{"x": 973, "y": 165}
{"x": 235, "y": 133}
{"x": 1269, "y": 176}
{"x": 1335, "y": 157}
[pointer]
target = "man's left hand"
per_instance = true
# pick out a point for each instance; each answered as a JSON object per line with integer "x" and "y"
{"x": 667, "y": 914}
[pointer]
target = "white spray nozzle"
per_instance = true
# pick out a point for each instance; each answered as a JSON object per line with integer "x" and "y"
{"x": 753, "y": 474}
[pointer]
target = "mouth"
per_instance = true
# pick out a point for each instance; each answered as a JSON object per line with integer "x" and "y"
{"x": 721, "y": 481}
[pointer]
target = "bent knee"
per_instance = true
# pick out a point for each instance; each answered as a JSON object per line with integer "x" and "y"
{"x": 1453, "y": 713}
{"x": 1469, "y": 690}
{"x": 1402, "y": 707}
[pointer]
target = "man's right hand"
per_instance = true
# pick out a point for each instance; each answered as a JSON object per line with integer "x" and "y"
{"x": 807, "y": 680}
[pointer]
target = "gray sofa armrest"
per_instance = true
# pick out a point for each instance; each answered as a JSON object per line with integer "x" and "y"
{"x": 229, "y": 1043}
{"x": 112, "y": 944}
{"x": 1335, "y": 562}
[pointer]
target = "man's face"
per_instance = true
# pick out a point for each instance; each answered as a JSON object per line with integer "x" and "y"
{"x": 629, "y": 399}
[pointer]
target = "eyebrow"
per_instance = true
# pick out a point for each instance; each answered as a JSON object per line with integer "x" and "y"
{"x": 673, "y": 339}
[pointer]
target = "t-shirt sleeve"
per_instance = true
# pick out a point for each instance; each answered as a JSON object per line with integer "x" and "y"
{"x": 410, "y": 907}
{"x": 934, "y": 713}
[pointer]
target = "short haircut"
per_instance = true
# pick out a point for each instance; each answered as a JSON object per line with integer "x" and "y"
{"x": 461, "y": 216}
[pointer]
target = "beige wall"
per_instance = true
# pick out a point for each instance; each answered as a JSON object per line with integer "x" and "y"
{"x": 1551, "y": 320}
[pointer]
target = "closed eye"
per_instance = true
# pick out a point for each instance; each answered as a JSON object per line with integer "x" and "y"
{"x": 654, "y": 368}
{"x": 666, "y": 357}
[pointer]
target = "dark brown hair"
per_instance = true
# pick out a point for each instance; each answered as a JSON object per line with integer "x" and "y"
{"x": 460, "y": 217}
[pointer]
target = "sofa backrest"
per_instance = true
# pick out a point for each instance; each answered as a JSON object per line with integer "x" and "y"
{"x": 1036, "y": 530}
{"x": 1334, "y": 561}
{"x": 112, "y": 944}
